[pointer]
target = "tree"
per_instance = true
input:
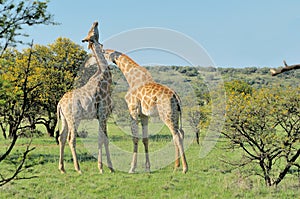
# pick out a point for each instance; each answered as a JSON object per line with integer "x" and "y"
{"x": 17, "y": 76}
{"x": 201, "y": 91}
{"x": 198, "y": 117}
{"x": 54, "y": 68}
{"x": 15, "y": 15}
{"x": 265, "y": 125}
{"x": 58, "y": 65}
{"x": 238, "y": 87}
{"x": 13, "y": 109}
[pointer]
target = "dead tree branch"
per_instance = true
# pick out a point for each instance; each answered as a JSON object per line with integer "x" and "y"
{"x": 286, "y": 67}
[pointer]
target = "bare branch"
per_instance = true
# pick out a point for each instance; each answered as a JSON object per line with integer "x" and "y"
{"x": 4, "y": 181}
{"x": 236, "y": 164}
{"x": 286, "y": 67}
{"x": 13, "y": 142}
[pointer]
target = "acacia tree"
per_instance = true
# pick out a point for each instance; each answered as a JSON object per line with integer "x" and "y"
{"x": 265, "y": 125}
{"x": 57, "y": 65}
{"x": 198, "y": 118}
{"x": 54, "y": 68}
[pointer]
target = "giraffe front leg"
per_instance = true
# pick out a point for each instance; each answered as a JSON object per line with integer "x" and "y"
{"x": 106, "y": 145}
{"x": 135, "y": 139}
{"x": 100, "y": 144}
{"x": 109, "y": 163}
{"x": 133, "y": 107}
{"x": 104, "y": 140}
{"x": 100, "y": 164}
{"x": 144, "y": 121}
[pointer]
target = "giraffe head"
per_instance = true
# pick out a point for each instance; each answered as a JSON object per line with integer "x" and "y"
{"x": 93, "y": 34}
{"x": 111, "y": 55}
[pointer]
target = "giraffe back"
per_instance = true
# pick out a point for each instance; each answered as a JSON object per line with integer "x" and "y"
{"x": 156, "y": 99}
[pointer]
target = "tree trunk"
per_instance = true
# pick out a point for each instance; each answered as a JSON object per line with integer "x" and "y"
{"x": 3, "y": 131}
{"x": 266, "y": 172}
{"x": 50, "y": 130}
{"x": 287, "y": 167}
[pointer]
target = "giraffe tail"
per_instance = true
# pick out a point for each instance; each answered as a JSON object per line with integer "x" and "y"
{"x": 180, "y": 127}
{"x": 181, "y": 132}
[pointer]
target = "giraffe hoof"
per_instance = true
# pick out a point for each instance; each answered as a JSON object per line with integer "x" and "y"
{"x": 131, "y": 171}
{"x": 111, "y": 170}
{"x": 184, "y": 170}
{"x": 101, "y": 171}
{"x": 62, "y": 171}
{"x": 79, "y": 172}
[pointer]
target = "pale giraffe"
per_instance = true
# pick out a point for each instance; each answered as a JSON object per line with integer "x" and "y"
{"x": 144, "y": 98}
{"x": 91, "y": 101}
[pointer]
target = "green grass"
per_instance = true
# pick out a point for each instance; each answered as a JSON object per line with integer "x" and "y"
{"x": 207, "y": 177}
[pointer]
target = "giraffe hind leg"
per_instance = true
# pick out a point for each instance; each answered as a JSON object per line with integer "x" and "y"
{"x": 72, "y": 144}
{"x": 62, "y": 141}
{"x": 179, "y": 152}
{"x": 178, "y": 136}
{"x": 177, "y": 157}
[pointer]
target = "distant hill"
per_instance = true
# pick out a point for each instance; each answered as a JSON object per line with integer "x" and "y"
{"x": 256, "y": 77}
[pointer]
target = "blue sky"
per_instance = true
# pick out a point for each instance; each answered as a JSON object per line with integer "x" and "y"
{"x": 234, "y": 33}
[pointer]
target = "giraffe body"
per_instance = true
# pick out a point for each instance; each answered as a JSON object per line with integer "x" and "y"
{"x": 91, "y": 101}
{"x": 146, "y": 98}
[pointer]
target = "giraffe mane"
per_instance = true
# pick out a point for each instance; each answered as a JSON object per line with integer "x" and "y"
{"x": 130, "y": 60}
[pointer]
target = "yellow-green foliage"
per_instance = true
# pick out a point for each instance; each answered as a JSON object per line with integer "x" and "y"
{"x": 265, "y": 123}
{"x": 50, "y": 73}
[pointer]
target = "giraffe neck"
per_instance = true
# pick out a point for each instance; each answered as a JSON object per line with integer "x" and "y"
{"x": 135, "y": 75}
{"x": 100, "y": 59}
{"x": 102, "y": 74}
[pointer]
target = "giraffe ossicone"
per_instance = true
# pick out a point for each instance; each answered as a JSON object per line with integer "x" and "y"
{"x": 91, "y": 101}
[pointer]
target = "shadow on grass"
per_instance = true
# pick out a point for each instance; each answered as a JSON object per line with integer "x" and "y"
{"x": 159, "y": 137}
{"x": 41, "y": 159}
{"x": 155, "y": 138}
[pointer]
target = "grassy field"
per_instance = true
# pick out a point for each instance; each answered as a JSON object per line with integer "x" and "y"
{"x": 207, "y": 177}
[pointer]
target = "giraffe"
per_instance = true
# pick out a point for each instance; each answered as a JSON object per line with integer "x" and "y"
{"x": 91, "y": 101}
{"x": 144, "y": 98}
